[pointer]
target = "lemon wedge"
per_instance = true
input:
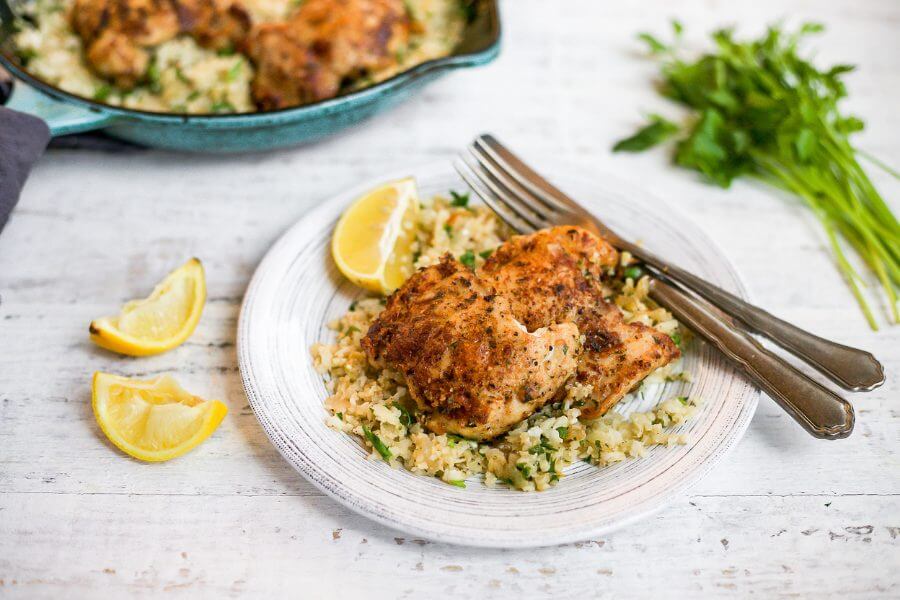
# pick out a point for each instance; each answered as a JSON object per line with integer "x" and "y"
{"x": 153, "y": 420}
{"x": 372, "y": 242}
{"x": 159, "y": 322}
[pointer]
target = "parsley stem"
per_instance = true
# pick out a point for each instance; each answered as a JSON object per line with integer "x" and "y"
{"x": 760, "y": 109}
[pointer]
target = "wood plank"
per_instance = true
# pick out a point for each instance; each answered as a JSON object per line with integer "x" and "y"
{"x": 783, "y": 516}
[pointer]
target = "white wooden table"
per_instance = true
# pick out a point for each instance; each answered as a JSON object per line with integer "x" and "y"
{"x": 784, "y": 515}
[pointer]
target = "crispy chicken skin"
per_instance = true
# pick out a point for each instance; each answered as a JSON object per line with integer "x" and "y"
{"x": 215, "y": 24}
{"x": 470, "y": 365}
{"x": 326, "y": 41}
{"x": 117, "y": 33}
{"x": 299, "y": 60}
{"x": 288, "y": 71}
{"x": 553, "y": 276}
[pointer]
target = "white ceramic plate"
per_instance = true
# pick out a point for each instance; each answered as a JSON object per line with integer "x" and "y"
{"x": 297, "y": 290}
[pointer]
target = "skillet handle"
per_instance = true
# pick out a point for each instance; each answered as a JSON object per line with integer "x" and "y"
{"x": 62, "y": 118}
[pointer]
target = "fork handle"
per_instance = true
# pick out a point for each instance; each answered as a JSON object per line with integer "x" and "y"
{"x": 817, "y": 409}
{"x": 851, "y": 368}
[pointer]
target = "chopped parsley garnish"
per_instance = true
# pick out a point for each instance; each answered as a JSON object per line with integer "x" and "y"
{"x": 684, "y": 400}
{"x": 340, "y": 416}
{"x": 353, "y": 305}
{"x": 562, "y": 431}
{"x": 377, "y": 443}
{"x": 153, "y": 76}
{"x": 102, "y": 92}
{"x": 453, "y": 439}
{"x": 458, "y": 199}
{"x": 221, "y": 106}
{"x": 449, "y": 229}
{"x": 524, "y": 469}
{"x": 181, "y": 76}
{"x": 26, "y": 55}
{"x": 468, "y": 259}
{"x": 634, "y": 272}
{"x": 406, "y": 418}
{"x": 486, "y": 254}
{"x": 234, "y": 71}
{"x": 676, "y": 337}
{"x": 457, "y": 482}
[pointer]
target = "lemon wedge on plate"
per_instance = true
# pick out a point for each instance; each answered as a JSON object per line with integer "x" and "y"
{"x": 372, "y": 242}
{"x": 153, "y": 420}
{"x": 159, "y": 322}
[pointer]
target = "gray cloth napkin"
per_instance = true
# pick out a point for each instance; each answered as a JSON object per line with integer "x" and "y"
{"x": 22, "y": 141}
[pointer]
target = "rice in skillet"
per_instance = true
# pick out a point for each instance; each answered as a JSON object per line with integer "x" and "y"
{"x": 375, "y": 405}
{"x": 184, "y": 77}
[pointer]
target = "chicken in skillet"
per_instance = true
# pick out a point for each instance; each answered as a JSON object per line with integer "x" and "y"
{"x": 553, "y": 276}
{"x": 301, "y": 59}
{"x": 118, "y": 34}
{"x": 483, "y": 350}
{"x": 308, "y": 56}
{"x": 469, "y": 364}
{"x": 215, "y": 24}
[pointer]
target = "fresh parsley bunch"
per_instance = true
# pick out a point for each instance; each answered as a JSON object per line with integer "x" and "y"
{"x": 762, "y": 110}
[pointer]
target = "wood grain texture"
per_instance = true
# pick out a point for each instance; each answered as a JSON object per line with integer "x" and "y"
{"x": 785, "y": 515}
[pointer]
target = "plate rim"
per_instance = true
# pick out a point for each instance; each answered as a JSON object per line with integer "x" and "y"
{"x": 335, "y": 202}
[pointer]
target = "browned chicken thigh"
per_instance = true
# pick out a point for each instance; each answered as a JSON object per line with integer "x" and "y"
{"x": 470, "y": 365}
{"x": 326, "y": 41}
{"x": 216, "y": 24}
{"x": 553, "y": 276}
{"x": 299, "y": 60}
{"x": 288, "y": 71}
{"x": 118, "y": 33}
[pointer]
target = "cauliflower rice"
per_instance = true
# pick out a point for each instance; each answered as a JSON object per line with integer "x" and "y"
{"x": 184, "y": 77}
{"x": 375, "y": 405}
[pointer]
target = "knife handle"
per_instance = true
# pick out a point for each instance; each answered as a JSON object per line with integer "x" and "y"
{"x": 817, "y": 409}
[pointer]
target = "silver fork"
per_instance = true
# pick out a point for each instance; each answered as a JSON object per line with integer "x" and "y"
{"x": 527, "y": 202}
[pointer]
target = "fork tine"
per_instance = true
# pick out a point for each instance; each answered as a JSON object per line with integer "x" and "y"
{"x": 508, "y": 198}
{"x": 488, "y": 198}
{"x": 535, "y": 203}
{"x": 522, "y": 173}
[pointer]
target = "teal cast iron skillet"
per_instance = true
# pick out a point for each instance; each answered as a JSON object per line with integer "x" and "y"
{"x": 67, "y": 113}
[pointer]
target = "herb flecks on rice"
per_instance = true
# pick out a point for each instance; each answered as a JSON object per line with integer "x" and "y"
{"x": 375, "y": 405}
{"x": 184, "y": 77}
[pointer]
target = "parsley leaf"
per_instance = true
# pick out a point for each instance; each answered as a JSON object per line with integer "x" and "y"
{"x": 760, "y": 109}
{"x": 653, "y": 44}
{"x": 458, "y": 199}
{"x": 656, "y": 132}
{"x": 468, "y": 258}
{"x": 377, "y": 443}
